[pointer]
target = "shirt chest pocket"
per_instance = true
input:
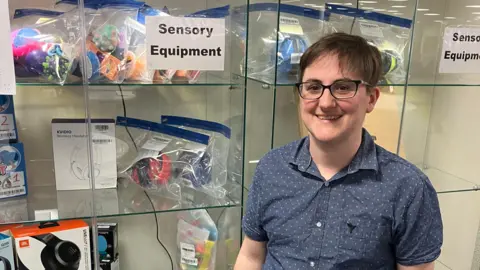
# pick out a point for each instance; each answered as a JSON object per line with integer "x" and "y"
{"x": 361, "y": 239}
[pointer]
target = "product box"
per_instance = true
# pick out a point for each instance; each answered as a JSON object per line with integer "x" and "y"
{"x": 7, "y": 259}
{"x": 53, "y": 245}
{"x": 8, "y": 126}
{"x": 107, "y": 242}
{"x": 70, "y": 142}
{"x": 13, "y": 174}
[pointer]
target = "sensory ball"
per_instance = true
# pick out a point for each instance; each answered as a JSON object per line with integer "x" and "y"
{"x": 23, "y": 36}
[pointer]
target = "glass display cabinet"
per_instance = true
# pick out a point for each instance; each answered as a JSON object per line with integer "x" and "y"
{"x": 422, "y": 114}
{"x": 109, "y": 139}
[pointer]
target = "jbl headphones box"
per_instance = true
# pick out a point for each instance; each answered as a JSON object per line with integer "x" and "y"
{"x": 13, "y": 174}
{"x": 70, "y": 152}
{"x": 58, "y": 245}
{"x": 7, "y": 261}
{"x": 8, "y": 126}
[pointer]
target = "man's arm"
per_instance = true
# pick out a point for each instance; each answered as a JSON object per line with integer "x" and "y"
{"x": 425, "y": 266}
{"x": 418, "y": 233}
{"x": 252, "y": 255}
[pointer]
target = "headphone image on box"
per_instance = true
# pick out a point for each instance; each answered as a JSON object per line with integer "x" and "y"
{"x": 79, "y": 165}
{"x": 148, "y": 171}
{"x": 6, "y": 263}
{"x": 57, "y": 254}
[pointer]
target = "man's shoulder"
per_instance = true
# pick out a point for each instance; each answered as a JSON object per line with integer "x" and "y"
{"x": 395, "y": 168}
{"x": 283, "y": 154}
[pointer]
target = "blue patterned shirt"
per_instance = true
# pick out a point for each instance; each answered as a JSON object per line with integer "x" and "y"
{"x": 378, "y": 211}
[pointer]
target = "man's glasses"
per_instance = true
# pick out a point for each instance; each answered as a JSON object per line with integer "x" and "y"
{"x": 342, "y": 89}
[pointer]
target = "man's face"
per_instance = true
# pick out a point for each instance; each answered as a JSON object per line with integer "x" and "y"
{"x": 328, "y": 119}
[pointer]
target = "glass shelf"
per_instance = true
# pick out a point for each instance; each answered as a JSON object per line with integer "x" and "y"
{"x": 127, "y": 199}
{"x": 445, "y": 182}
{"x": 132, "y": 84}
{"x": 292, "y": 83}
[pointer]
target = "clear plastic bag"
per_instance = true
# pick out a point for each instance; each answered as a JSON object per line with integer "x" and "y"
{"x": 390, "y": 34}
{"x": 298, "y": 27}
{"x": 49, "y": 48}
{"x": 197, "y": 238}
{"x": 108, "y": 42}
{"x": 160, "y": 157}
{"x": 136, "y": 62}
{"x": 216, "y": 152}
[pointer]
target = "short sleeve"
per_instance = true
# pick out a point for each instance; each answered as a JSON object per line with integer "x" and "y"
{"x": 252, "y": 220}
{"x": 418, "y": 232}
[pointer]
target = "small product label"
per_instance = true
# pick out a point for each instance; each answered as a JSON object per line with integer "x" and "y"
{"x": 187, "y": 253}
{"x": 156, "y": 143}
{"x": 193, "y": 261}
{"x": 371, "y": 30}
{"x": 295, "y": 58}
{"x": 290, "y": 25}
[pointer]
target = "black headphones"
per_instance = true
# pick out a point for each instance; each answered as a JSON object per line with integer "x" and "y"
{"x": 57, "y": 254}
{"x": 6, "y": 263}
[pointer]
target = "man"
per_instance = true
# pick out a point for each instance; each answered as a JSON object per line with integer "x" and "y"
{"x": 335, "y": 199}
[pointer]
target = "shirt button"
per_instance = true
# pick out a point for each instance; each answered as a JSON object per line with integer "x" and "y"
{"x": 312, "y": 264}
{"x": 319, "y": 224}
{"x": 327, "y": 184}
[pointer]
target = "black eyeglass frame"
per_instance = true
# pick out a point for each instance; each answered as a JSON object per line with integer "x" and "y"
{"x": 357, "y": 84}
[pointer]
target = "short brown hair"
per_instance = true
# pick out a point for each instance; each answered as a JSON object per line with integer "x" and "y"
{"x": 354, "y": 53}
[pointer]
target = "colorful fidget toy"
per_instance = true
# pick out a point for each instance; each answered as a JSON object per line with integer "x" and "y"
{"x": 106, "y": 38}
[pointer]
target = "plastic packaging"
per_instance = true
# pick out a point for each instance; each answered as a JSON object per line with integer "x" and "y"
{"x": 216, "y": 152}
{"x": 390, "y": 34}
{"x": 161, "y": 157}
{"x": 298, "y": 27}
{"x": 108, "y": 42}
{"x": 47, "y": 49}
{"x": 197, "y": 238}
{"x": 136, "y": 65}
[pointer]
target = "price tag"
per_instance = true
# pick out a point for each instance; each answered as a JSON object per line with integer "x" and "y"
{"x": 7, "y": 127}
{"x": 7, "y": 72}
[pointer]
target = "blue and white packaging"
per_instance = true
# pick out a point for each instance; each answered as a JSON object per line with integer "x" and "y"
{"x": 6, "y": 251}
{"x": 13, "y": 174}
{"x": 8, "y": 127}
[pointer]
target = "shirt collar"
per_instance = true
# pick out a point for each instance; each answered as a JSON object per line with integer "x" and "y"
{"x": 364, "y": 159}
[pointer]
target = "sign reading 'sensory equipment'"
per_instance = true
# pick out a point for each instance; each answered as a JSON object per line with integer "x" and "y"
{"x": 461, "y": 51}
{"x": 185, "y": 43}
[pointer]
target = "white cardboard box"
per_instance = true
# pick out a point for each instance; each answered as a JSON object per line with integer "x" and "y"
{"x": 71, "y": 157}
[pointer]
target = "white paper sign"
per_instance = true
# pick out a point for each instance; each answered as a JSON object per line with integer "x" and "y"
{"x": 185, "y": 43}
{"x": 7, "y": 71}
{"x": 461, "y": 51}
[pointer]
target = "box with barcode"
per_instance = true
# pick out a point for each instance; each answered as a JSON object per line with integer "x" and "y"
{"x": 13, "y": 176}
{"x": 73, "y": 168}
{"x": 8, "y": 126}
